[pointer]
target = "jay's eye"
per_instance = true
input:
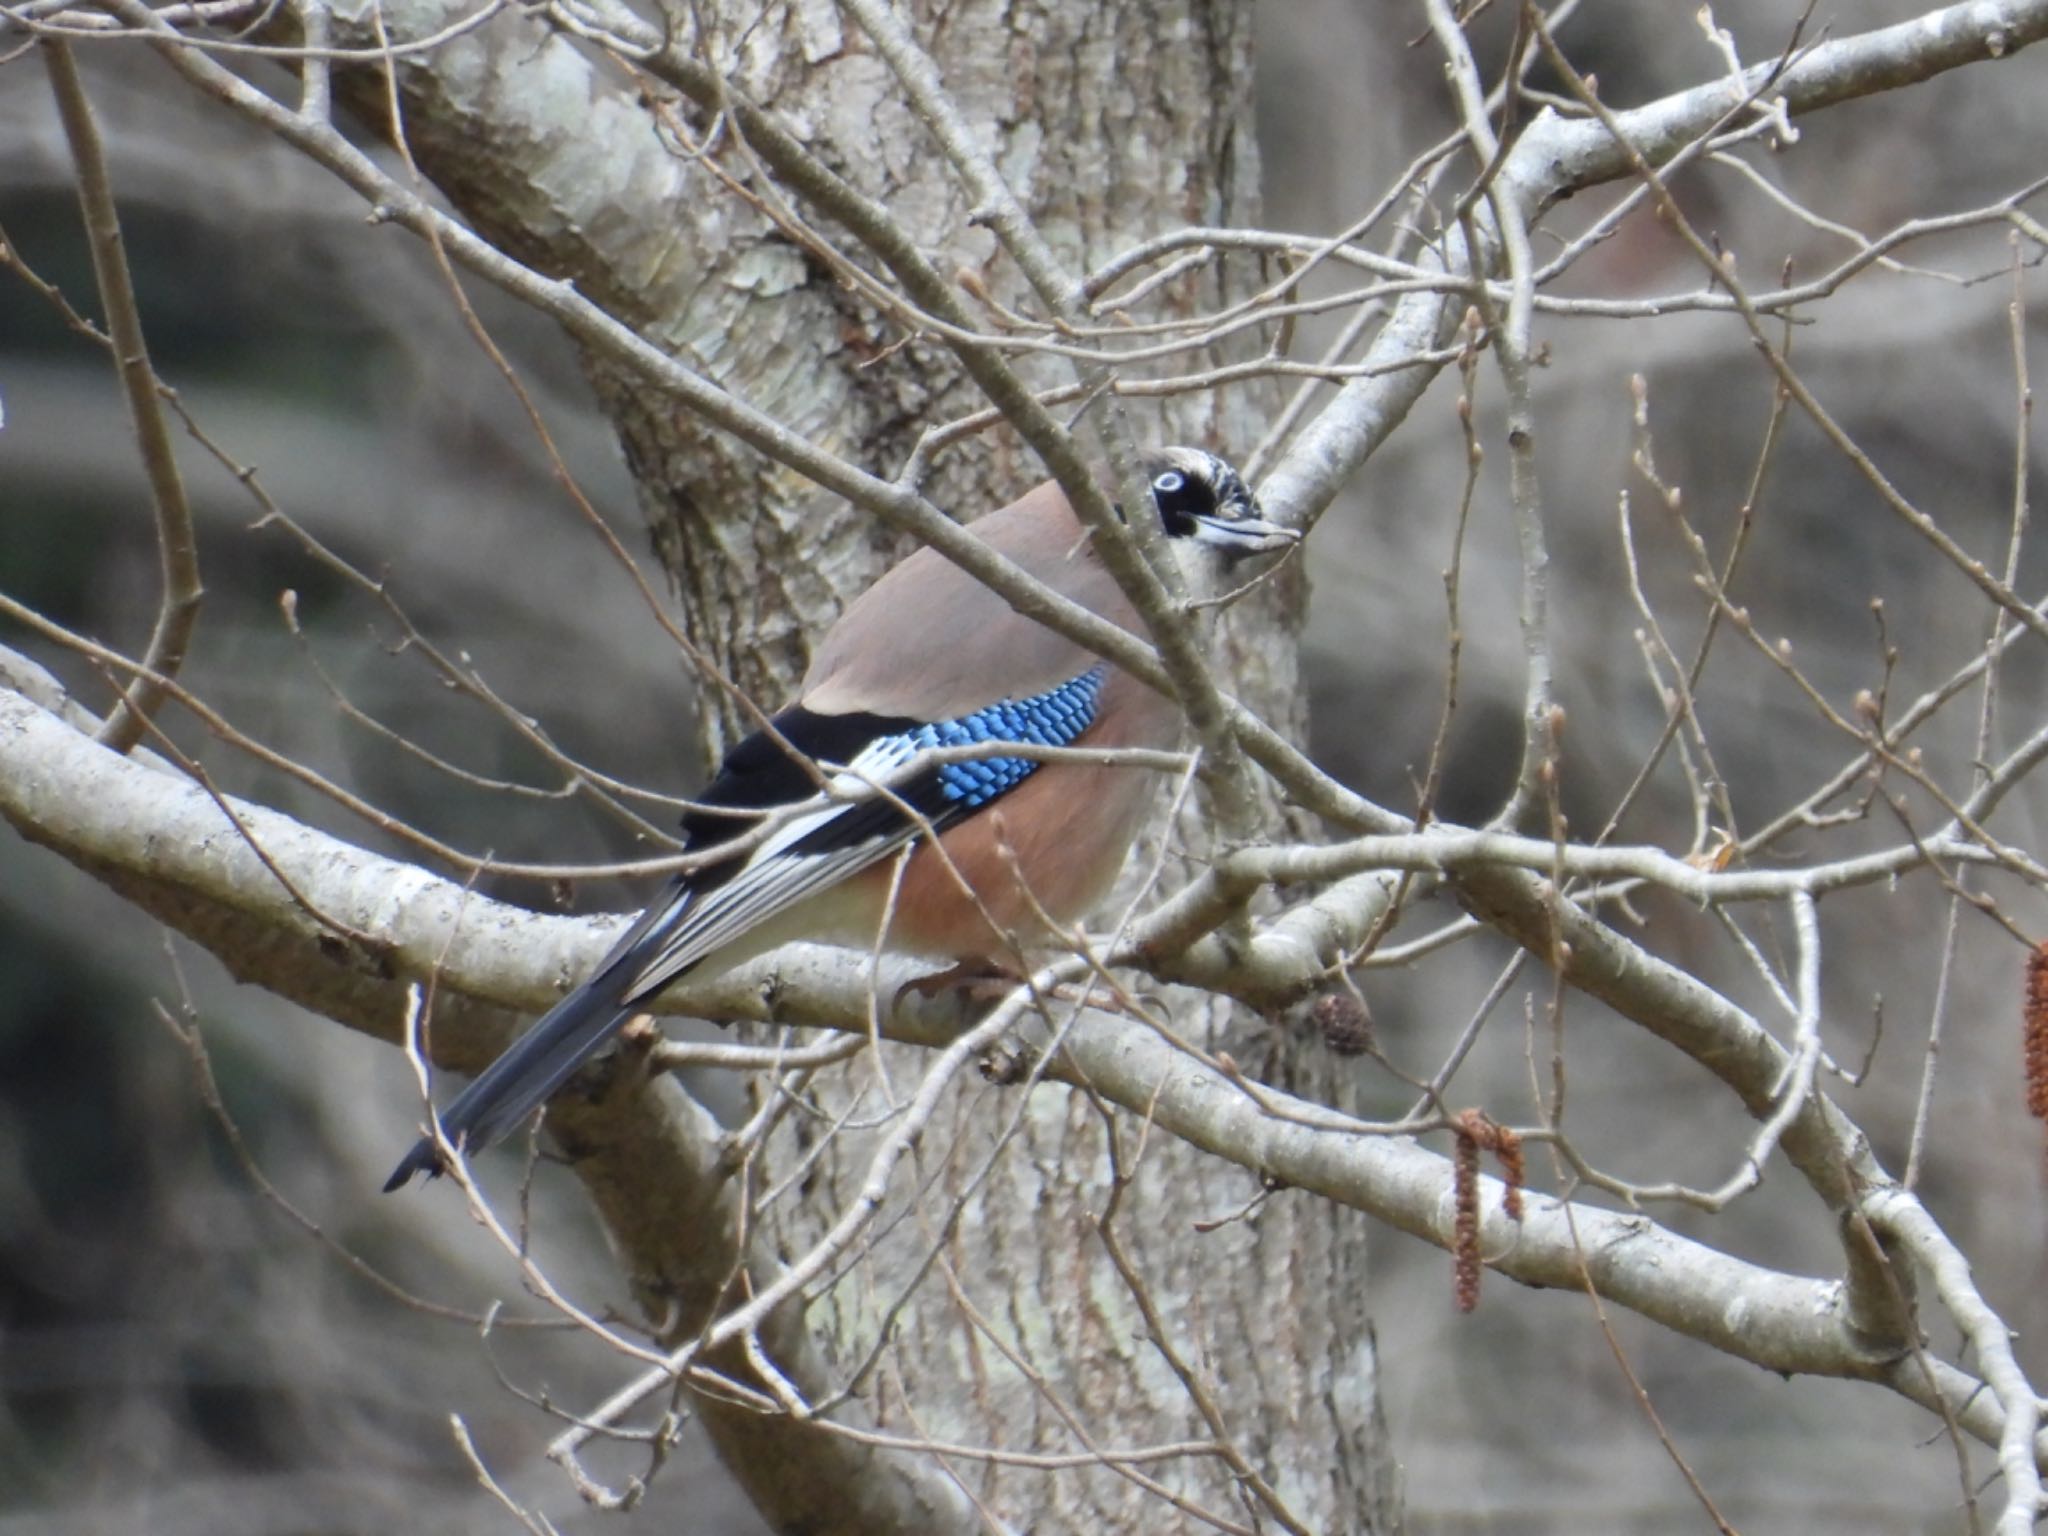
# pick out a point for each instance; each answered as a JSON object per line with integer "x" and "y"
{"x": 1169, "y": 482}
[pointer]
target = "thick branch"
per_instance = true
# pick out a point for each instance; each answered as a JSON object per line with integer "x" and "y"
{"x": 649, "y": 1155}
{"x": 165, "y": 843}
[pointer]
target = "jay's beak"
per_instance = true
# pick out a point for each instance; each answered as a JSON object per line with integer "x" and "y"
{"x": 1237, "y": 537}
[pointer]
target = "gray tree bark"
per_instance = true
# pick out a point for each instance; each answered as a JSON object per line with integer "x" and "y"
{"x": 1112, "y": 123}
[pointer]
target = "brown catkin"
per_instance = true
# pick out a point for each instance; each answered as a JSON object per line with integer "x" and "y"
{"x": 1505, "y": 1145}
{"x": 1465, "y": 1267}
{"x": 1508, "y": 1153}
{"x": 2035, "y": 1040}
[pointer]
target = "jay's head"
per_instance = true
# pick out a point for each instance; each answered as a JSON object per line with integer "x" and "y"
{"x": 1209, "y": 513}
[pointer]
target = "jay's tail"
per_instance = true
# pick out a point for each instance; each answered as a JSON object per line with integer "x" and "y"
{"x": 526, "y": 1076}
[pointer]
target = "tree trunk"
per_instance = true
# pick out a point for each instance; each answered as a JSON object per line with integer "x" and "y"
{"x": 1112, "y": 123}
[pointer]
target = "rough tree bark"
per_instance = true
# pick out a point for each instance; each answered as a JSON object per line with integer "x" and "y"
{"x": 1112, "y": 123}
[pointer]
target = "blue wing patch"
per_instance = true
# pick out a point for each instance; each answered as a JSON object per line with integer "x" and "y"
{"x": 836, "y": 834}
{"x": 1050, "y": 719}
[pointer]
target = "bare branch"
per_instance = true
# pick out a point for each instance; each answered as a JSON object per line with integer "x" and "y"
{"x": 177, "y": 550}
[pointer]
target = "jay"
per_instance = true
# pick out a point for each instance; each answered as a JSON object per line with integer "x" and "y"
{"x": 927, "y": 657}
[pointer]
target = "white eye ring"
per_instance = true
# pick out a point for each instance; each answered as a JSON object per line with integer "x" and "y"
{"x": 1169, "y": 482}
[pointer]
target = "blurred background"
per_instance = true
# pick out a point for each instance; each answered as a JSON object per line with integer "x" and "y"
{"x": 178, "y": 1354}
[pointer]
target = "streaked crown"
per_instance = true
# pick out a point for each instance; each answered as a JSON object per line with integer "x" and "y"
{"x": 1202, "y": 498}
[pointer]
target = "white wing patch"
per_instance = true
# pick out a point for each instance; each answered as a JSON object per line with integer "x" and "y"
{"x": 773, "y": 879}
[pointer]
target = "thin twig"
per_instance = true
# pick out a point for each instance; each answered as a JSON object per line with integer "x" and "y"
{"x": 177, "y": 547}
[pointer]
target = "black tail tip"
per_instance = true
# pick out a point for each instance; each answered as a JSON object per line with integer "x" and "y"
{"x": 425, "y": 1158}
